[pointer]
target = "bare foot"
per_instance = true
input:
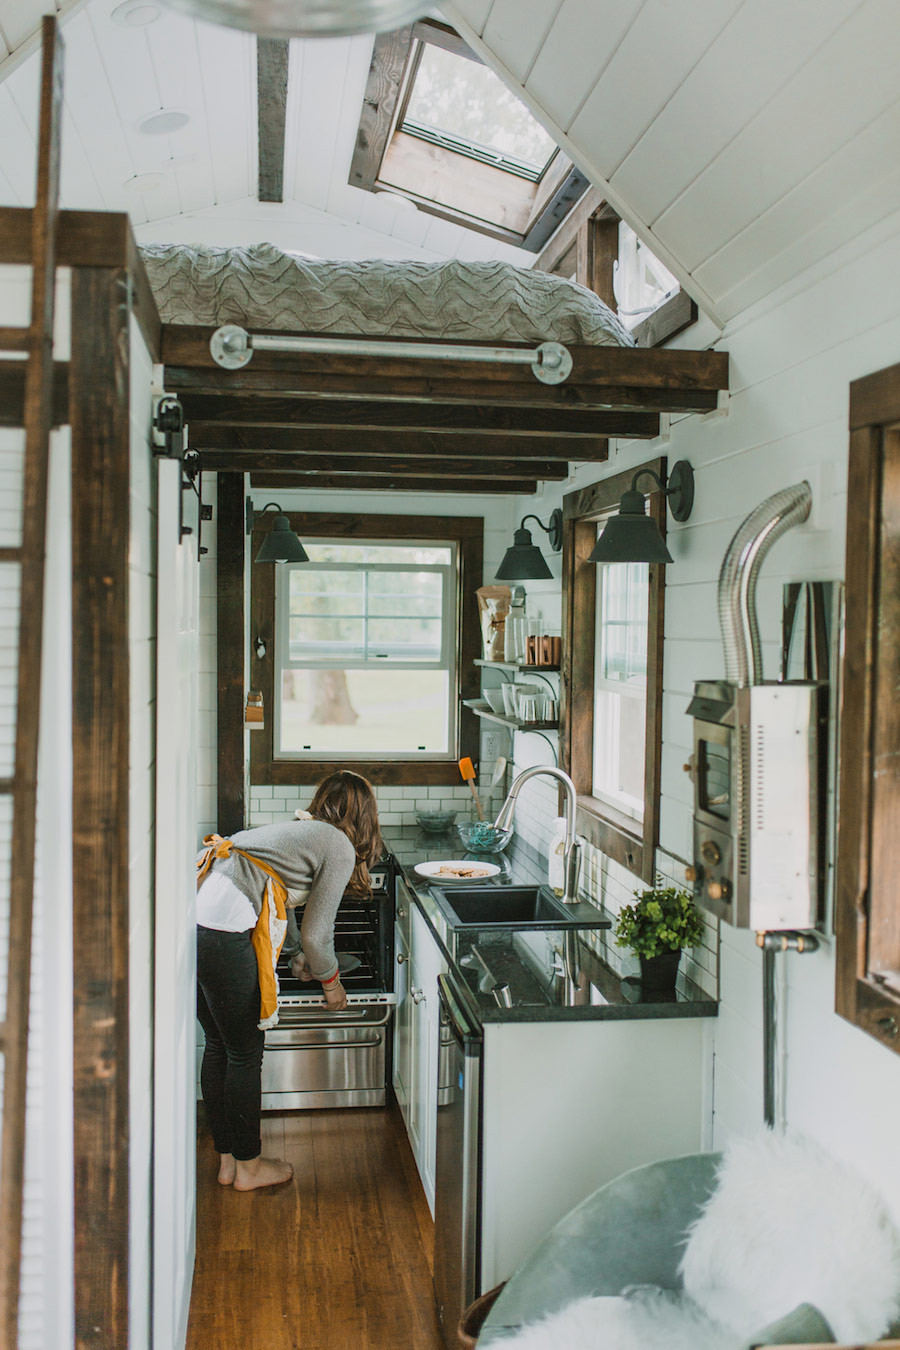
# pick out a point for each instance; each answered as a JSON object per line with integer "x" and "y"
{"x": 257, "y": 1172}
{"x": 227, "y": 1169}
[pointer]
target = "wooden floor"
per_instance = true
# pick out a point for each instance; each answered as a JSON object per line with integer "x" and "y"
{"x": 338, "y": 1260}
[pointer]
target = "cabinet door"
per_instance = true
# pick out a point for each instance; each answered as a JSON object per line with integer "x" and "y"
{"x": 402, "y": 1027}
{"x": 426, "y": 963}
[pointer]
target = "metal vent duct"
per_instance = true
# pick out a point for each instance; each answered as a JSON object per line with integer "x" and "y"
{"x": 304, "y": 18}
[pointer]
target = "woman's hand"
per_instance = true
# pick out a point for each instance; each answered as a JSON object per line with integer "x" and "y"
{"x": 335, "y": 996}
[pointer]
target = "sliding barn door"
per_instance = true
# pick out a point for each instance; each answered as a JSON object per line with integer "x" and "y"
{"x": 174, "y": 1147}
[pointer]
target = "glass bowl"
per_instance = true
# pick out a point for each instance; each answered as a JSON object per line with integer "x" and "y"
{"x": 435, "y": 822}
{"x": 479, "y": 836}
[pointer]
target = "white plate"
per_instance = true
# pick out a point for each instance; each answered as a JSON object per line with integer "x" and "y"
{"x": 431, "y": 870}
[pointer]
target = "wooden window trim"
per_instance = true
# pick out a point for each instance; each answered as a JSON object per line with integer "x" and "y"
{"x": 867, "y": 913}
{"x": 394, "y": 61}
{"x": 631, "y": 843}
{"x": 468, "y": 534}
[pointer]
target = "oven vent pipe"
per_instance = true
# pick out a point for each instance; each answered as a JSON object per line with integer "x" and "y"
{"x": 737, "y": 579}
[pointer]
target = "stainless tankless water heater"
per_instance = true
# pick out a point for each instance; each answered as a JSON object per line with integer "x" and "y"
{"x": 757, "y": 762}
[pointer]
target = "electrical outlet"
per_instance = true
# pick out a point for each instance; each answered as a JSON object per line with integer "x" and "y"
{"x": 490, "y": 745}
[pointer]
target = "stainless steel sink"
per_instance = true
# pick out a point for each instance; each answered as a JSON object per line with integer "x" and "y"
{"x": 513, "y": 907}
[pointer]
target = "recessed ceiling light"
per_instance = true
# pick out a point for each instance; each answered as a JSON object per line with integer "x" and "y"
{"x": 164, "y": 122}
{"x": 135, "y": 13}
{"x": 145, "y": 182}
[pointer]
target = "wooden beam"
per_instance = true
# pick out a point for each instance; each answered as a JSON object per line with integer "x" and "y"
{"x": 88, "y": 239}
{"x": 393, "y": 483}
{"x": 237, "y": 415}
{"x": 12, "y": 394}
{"x": 100, "y": 803}
{"x": 671, "y": 318}
{"x": 422, "y": 466}
{"x": 271, "y": 99}
{"x": 596, "y": 252}
{"x": 592, "y": 202}
{"x": 400, "y": 445}
{"x": 389, "y": 57}
{"x": 230, "y": 639}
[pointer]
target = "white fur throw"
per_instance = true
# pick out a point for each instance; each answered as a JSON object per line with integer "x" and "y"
{"x": 787, "y": 1225}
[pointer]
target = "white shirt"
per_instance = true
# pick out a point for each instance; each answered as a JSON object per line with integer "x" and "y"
{"x": 221, "y": 905}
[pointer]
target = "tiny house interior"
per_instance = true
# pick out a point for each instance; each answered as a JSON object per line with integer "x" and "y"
{"x": 499, "y": 400}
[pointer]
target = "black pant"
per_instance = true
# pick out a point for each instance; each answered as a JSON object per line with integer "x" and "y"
{"x": 228, "y": 1009}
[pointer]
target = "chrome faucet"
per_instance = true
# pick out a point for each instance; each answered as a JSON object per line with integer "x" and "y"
{"x": 571, "y": 847}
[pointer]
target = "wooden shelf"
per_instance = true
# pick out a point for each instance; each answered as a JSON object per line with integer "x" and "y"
{"x": 484, "y": 710}
{"x": 514, "y": 665}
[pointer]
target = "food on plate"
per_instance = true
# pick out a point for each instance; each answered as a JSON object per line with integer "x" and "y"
{"x": 445, "y": 870}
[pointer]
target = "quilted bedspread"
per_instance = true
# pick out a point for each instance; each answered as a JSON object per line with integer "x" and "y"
{"x": 260, "y": 287}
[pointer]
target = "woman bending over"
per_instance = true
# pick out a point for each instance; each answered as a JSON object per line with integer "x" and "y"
{"x": 246, "y": 884}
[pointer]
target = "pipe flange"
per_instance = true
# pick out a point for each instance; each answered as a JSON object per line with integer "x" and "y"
{"x": 554, "y": 364}
{"x": 230, "y": 346}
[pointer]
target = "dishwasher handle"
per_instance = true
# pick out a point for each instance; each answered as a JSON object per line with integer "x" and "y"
{"x": 464, "y": 1028}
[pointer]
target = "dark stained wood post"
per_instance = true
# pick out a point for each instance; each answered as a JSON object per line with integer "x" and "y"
{"x": 230, "y": 525}
{"x": 272, "y": 83}
{"x": 99, "y": 385}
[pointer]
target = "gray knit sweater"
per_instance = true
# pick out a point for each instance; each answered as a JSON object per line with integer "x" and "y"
{"x": 304, "y": 853}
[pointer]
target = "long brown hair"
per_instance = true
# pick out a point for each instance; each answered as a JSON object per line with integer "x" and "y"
{"x": 346, "y": 800}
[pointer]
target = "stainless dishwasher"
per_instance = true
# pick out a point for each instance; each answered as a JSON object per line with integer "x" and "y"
{"x": 457, "y": 1190}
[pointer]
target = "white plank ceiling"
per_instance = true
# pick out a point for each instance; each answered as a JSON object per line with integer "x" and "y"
{"x": 204, "y": 176}
{"x": 745, "y": 140}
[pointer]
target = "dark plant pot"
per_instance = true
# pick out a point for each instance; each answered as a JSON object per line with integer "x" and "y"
{"x": 660, "y": 972}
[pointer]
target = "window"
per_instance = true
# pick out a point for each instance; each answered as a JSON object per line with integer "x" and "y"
{"x": 365, "y": 646}
{"x": 620, "y": 686}
{"x": 462, "y": 105}
{"x": 641, "y": 282}
{"x": 364, "y": 653}
{"x": 867, "y": 908}
{"x": 612, "y": 679}
{"x": 440, "y": 129}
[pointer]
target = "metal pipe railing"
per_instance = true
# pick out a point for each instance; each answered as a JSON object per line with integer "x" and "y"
{"x": 232, "y": 347}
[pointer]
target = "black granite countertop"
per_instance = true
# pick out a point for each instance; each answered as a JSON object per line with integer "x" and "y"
{"x": 530, "y": 965}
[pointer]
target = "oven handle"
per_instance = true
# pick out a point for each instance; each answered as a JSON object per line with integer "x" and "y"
{"x": 315, "y": 1017}
{"x": 325, "y": 1045}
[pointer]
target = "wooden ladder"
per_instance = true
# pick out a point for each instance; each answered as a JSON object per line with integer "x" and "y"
{"x": 37, "y": 342}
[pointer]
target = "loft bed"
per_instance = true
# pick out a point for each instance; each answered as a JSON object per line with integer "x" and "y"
{"x": 362, "y": 414}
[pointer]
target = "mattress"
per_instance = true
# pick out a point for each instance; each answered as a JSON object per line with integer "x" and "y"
{"x": 261, "y": 287}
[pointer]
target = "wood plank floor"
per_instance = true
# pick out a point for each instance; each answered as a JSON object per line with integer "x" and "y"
{"x": 338, "y": 1260}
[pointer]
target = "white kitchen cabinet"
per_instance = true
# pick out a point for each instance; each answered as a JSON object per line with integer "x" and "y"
{"x": 416, "y": 1035}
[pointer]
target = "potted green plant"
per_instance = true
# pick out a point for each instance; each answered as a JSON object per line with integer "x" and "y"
{"x": 657, "y": 928}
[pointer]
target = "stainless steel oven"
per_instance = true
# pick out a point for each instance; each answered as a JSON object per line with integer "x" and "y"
{"x": 315, "y": 1058}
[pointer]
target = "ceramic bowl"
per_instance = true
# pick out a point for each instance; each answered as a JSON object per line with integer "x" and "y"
{"x": 435, "y": 822}
{"x": 494, "y": 700}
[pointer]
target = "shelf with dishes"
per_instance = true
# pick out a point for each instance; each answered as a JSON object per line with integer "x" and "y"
{"x": 482, "y": 709}
{"x": 516, "y": 666}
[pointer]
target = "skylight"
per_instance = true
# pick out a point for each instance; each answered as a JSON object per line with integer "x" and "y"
{"x": 463, "y": 106}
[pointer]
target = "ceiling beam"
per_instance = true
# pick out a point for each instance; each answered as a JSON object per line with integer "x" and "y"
{"x": 226, "y": 418}
{"x": 397, "y": 444}
{"x": 425, "y": 466}
{"x": 389, "y": 389}
{"x": 271, "y": 101}
{"x": 366, "y": 483}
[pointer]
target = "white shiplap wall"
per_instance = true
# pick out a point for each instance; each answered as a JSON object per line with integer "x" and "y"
{"x": 791, "y": 365}
{"x": 46, "y": 1280}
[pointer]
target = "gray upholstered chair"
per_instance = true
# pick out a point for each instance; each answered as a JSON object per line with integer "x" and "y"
{"x": 631, "y": 1231}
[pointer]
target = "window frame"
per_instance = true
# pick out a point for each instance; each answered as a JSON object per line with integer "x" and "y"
{"x": 867, "y": 912}
{"x": 381, "y": 143}
{"x": 467, "y": 533}
{"x": 631, "y": 843}
{"x": 447, "y": 661}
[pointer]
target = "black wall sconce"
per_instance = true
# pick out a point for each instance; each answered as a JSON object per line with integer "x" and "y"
{"x": 632, "y": 535}
{"x": 523, "y": 560}
{"x": 280, "y": 544}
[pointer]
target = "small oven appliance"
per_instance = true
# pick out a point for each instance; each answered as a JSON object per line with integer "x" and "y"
{"x": 316, "y": 1058}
